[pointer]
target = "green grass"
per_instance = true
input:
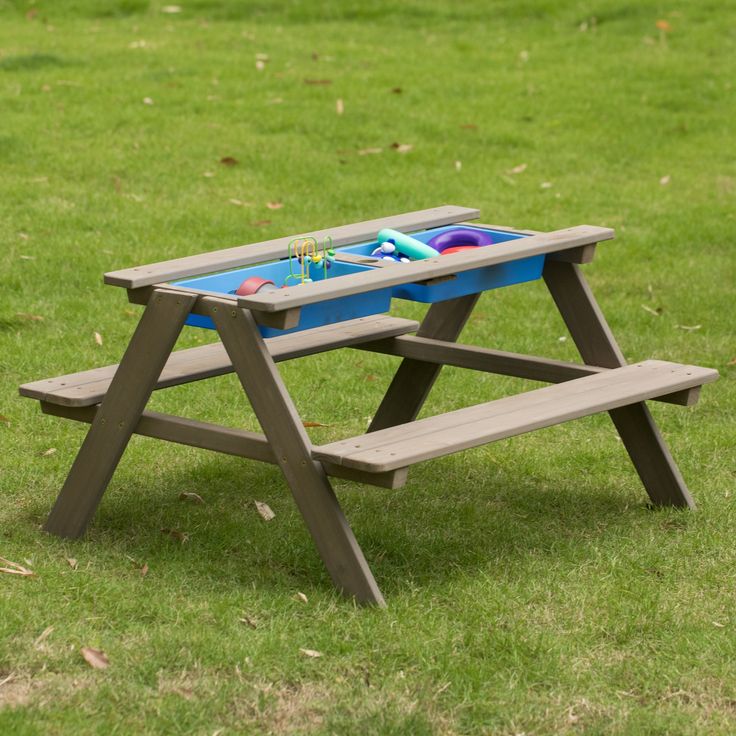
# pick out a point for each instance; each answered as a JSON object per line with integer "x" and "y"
{"x": 530, "y": 590}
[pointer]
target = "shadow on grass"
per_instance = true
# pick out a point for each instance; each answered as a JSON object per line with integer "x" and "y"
{"x": 30, "y": 62}
{"x": 455, "y": 517}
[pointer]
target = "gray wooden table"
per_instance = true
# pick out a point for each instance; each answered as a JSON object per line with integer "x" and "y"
{"x": 113, "y": 399}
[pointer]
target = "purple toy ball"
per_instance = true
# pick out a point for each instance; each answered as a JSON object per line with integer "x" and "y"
{"x": 459, "y": 236}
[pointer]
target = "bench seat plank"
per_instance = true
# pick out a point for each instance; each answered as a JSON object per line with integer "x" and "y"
{"x": 89, "y": 387}
{"x": 406, "y": 444}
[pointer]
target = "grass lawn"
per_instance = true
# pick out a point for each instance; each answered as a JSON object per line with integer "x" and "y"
{"x": 529, "y": 588}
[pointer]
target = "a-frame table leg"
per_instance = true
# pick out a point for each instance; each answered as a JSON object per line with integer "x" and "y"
{"x": 597, "y": 346}
{"x": 414, "y": 379}
{"x": 282, "y": 426}
{"x": 129, "y": 391}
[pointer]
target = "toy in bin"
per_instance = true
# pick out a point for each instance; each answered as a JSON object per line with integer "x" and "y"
{"x": 395, "y": 246}
{"x": 305, "y": 252}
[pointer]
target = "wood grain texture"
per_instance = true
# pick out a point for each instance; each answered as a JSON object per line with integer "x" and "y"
{"x": 406, "y": 444}
{"x": 243, "y": 255}
{"x": 292, "y": 448}
{"x": 429, "y": 268}
{"x": 121, "y": 409}
{"x": 87, "y": 388}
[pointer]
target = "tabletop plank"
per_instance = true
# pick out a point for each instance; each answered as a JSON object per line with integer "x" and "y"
{"x": 243, "y": 255}
{"x": 380, "y": 278}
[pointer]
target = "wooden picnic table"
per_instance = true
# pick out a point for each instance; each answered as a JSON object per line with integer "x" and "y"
{"x": 113, "y": 399}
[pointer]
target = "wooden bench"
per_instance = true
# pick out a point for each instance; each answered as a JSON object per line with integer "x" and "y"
{"x": 113, "y": 398}
{"x": 87, "y": 388}
{"x": 408, "y": 444}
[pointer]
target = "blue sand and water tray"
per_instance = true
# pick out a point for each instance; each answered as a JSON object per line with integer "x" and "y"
{"x": 371, "y": 302}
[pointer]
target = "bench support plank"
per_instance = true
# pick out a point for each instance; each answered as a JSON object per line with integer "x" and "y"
{"x": 597, "y": 346}
{"x": 282, "y": 426}
{"x": 119, "y": 413}
{"x": 531, "y": 367}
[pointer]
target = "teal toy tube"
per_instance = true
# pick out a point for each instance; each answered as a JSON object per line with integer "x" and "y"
{"x": 409, "y": 246}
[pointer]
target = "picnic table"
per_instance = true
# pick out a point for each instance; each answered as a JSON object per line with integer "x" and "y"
{"x": 259, "y": 330}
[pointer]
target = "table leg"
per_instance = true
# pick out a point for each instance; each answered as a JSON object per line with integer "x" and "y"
{"x": 597, "y": 346}
{"x": 282, "y": 426}
{"x": 119, "y": 412}
{"x": 414, "y": 378}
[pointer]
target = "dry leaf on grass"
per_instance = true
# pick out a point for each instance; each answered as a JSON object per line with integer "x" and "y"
{"x": 688, "y": 328}
{"x": 458, "y": 165}
{"x": 95, "y": 658}
{"x": 369, "y": 151}
{"x": 4, "y": 420}
{"x": 27, "y": 258}
{"x": 260, "y": 65}
{"x": 339, "y": 106}
{"x": 144, "y": 570}
{"x": 274, "y": 205}
{"x": 396, "y": 90}
{"x": 190, "y": 496}
{"x": 98, "y": 338}
{"x": 469, "y": 126}
{"x": 315, "y": 424}
{"x": 301, "y": 597}
{"x": 520, "y": 169}
{"x": 147, "y": 101}
{"x": 171, "y": 9}
{"x": 15, "y": 569}
{"x": 402, "y": 147}
{"x": 48, "y": 452}
{"x": 181, "y": 537}
{"x": 29, "y": 317}
{"x": 229, "y": 161}
{"x": 663, "y": 25}
{"x": 248, "y": 621}
{"x": 72, "y": 563}
{"x": 265, "y": 510}
{"x": 310, "y": 653}
{"x": 317, "y": 81}
{"x": 261, "y": 223}
{"x": 665, "y": 180}
{"x": 43, "y": 636}
{"x": 731, "y": 362}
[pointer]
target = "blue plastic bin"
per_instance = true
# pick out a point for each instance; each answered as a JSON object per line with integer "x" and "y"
{"x": 467, "y": 282}
{"x": 312, "y": 315}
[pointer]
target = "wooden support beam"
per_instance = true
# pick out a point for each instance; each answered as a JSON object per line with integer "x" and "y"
{"x": 119, "y": 413}
{"x": 292, "y": 448}
{"x": 595, "y": 341}
{"x": 531, "y": 367}
{"x": 214, "y": 437}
